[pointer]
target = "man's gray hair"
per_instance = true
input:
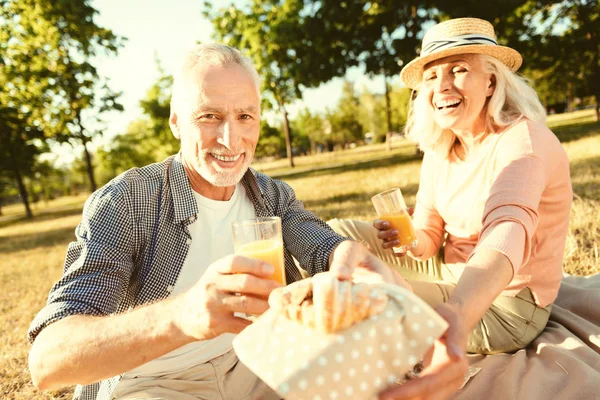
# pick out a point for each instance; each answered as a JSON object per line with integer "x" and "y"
{"x": 210, "y": 54}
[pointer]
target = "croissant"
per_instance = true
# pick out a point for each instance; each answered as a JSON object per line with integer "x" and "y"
{"x": 327, "y": 304}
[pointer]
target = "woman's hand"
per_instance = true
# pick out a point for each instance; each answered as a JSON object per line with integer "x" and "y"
{"x": 389, "y": 236}
{"x": 445, "y": 364}
{"x": 353, "y": 260}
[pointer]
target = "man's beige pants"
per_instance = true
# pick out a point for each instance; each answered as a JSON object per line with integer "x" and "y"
{"x": 222, "y": 378}
{"x": 510, "y": 324}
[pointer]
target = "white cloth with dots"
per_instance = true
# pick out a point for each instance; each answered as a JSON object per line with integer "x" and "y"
{"x": 300, "y": 363}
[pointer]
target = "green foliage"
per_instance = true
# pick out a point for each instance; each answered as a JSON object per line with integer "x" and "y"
{"x": 48, "y": 182}
{"x": 371, "y": 113}
{"x": 291, "y": 47}
{"x": 148, "y": 139}
{"x": 572, "y": 57}
{"x": 20, "y": 144}
{"x": 157, "y": 107}
{"x": 135, "y": 148}
{"x": 270, "y": 142}
{"x": 559, "y": 41}
{"x": 311, "y": 127}
{"x": 345, "y": 126}
{"x": 47, "y": 76}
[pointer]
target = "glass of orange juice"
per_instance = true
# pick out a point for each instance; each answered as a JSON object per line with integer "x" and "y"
{"x": 261, "y": 238}
{"x": 390, "y": 206}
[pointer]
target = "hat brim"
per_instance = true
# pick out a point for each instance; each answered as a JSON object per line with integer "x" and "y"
{"x": 412, "y": 74}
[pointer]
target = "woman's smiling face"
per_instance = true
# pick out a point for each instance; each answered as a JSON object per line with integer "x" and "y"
{"x": 457, "y": 88}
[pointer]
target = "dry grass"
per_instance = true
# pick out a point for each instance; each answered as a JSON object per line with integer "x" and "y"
{"x": 32, "y": 252}
{"x": 31, "y": 257}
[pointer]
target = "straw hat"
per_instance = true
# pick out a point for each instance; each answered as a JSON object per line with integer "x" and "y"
{"x": 458, "y": 36}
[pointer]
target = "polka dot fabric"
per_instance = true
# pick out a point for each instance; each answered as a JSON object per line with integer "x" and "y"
{"x": 357, "y": 363}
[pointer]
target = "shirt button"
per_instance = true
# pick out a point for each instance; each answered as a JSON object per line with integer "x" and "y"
{"x": 188, "y": 241}
{"x": 170, "y": 288}
{"x": 191, "y": 219}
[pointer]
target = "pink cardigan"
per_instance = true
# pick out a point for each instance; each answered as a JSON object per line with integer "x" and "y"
{"x": 513, "y": 194}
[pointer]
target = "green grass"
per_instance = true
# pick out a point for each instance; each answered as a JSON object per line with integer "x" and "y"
{"x": 338, "y": 184}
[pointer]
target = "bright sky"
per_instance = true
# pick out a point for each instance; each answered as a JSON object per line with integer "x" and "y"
{"x": 164, "y": 29}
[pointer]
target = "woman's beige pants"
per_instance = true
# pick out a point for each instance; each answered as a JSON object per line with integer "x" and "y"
{"x": 511, "y": 323}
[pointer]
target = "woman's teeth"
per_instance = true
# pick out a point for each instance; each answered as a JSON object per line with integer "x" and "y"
{"x": 447, "y": 103}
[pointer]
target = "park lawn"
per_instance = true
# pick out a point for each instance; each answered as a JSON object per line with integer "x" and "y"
{"x": 333, "y": 185}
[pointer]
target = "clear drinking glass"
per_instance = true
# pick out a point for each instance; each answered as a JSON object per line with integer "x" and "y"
{"x": 390, "y": 206}
{"x": 261, "y": 239}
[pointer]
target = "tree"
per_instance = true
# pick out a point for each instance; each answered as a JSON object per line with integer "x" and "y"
{"x": 148, "y": 139}
{"x": 372, "y": 112}
{"x": 571, "y": 56}
{"x": 157, "y": 107}
{"x": 345, "y": 127}
{"x": 4, "y": 188}
{"x": 18, "y": 149}
{"x": 559, "y": 41}
{"x": 288, "y": 46}
{"x": 52, "y": 181}
{"x": 45, "y": 50}
{"x": 310, "y": 126}
{"x": 134, "y": 148}
{"x": 250, "y": 30}
{"x": 82, "y": 119}
{"x": 381, "y": 35}
{"x": 270, "y": 141}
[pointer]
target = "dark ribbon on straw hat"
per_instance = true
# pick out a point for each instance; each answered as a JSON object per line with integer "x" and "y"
{"x": 457, "y": 41}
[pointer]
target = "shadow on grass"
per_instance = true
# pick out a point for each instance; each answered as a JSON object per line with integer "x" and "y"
{"x": 571, "y": 120}
{"x": 41, "y": 216}
{"x": 354, "y": 197}
{"x": 589, "y": 170}
{"x": 570, "y": 132}
{"x": 356, "y": 166}
{"x": 15, "y": 243}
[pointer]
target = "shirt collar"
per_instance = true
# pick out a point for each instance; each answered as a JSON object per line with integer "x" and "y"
{"x": 253, "y": 190}
{"x": 183, "y": 199}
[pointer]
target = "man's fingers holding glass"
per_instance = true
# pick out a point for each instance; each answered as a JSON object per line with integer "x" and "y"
{"x": 246, "y": 284}
{"x": 245, "y": 304}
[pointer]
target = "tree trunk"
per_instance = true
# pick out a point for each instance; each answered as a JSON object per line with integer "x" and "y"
{"x": 22, "y": 190}
{"x": 569, "y": 97}
{"x": 388, "y": 111}
{"x": 597, "y": 107}
{"x": 90, "y": 168}
{"x": 33, "y": 197}
{"x": 286, "y": 132}
{"x": 313, "y": 145}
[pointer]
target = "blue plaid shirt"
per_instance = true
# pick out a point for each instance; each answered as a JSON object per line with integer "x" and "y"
{"x": 133, "y": 240}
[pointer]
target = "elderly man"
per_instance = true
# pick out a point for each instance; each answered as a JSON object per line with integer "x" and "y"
{"x": 147, "y": 304}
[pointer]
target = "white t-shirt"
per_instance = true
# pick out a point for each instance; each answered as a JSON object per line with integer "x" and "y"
{"x": 212, "y": 238}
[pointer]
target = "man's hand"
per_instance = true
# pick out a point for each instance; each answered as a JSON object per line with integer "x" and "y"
{"x": 445, "y": 364}
{"x": 352, "y": 260}
{"x": 231, "y": 284}
{"x": 388, "y": 236}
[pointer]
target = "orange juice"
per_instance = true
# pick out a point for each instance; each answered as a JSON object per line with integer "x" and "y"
{"x": 403, "y": 224}
{"x": 268, "y": 250}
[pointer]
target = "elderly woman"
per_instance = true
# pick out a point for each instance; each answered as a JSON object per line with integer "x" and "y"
{"x": 492, "y": 210}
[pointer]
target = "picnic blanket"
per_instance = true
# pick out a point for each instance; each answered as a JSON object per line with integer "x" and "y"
{"x": 562, "y": 363}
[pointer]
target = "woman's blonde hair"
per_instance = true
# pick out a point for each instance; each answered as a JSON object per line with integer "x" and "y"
{"x": 513, "y": 99}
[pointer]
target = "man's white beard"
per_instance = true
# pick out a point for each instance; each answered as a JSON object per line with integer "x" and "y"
{"x": 217, "y": 177}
